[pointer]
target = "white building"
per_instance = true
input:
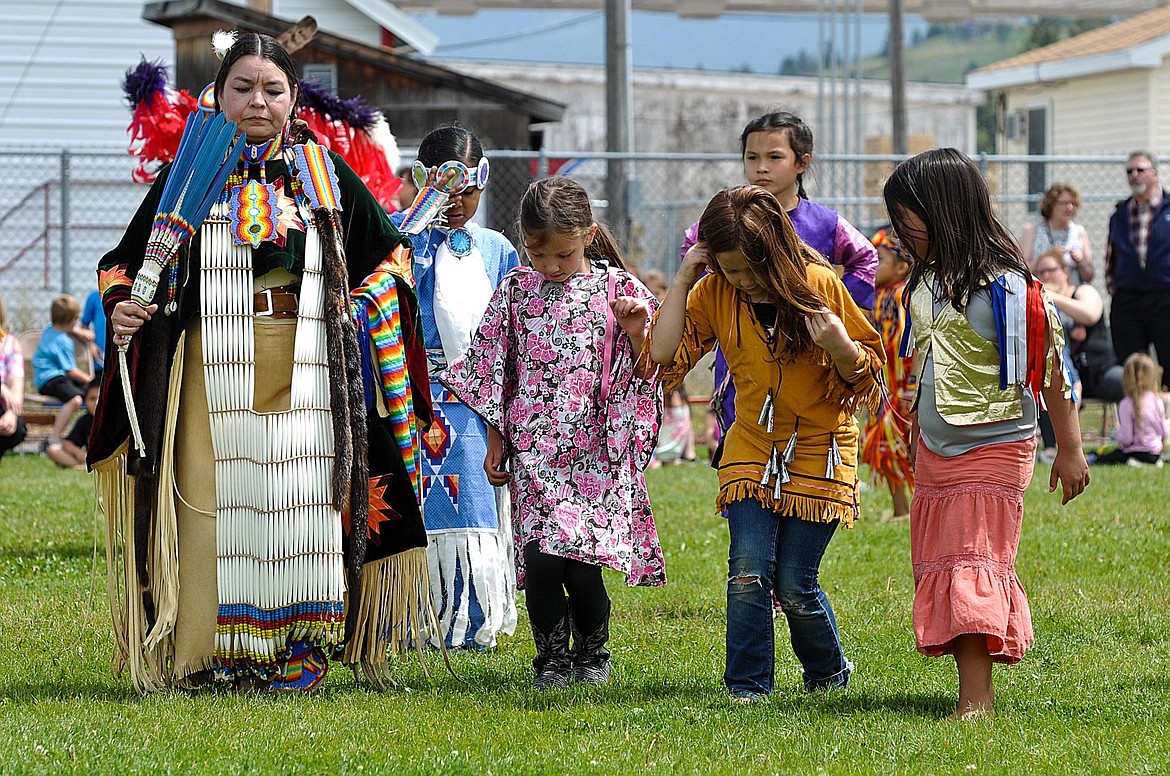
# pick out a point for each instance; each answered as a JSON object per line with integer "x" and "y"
{"x": 699, "y": 111}
{"x": 62, "y": 63}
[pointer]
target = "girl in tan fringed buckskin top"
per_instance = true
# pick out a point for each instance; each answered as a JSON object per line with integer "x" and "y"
{"x": 803, "y": 357}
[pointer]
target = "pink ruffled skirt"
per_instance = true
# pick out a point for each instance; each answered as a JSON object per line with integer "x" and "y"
{"x": 964, "y": 532}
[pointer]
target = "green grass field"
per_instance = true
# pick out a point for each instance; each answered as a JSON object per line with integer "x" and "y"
{"x": 1090, "y": 697}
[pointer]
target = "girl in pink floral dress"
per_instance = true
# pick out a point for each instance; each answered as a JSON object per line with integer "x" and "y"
{"x": 572, "y": 420}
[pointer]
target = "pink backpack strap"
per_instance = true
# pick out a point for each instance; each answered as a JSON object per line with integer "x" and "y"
{"x": 607, "y": 345}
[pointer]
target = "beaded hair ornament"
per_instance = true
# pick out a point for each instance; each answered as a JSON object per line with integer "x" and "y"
{"x": 464, "y": 177}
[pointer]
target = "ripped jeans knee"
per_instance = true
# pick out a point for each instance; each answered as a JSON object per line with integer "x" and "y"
{"x": 746, "y": 581}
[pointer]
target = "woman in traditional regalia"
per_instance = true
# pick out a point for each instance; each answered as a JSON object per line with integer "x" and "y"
{"x": 272, "y": 522}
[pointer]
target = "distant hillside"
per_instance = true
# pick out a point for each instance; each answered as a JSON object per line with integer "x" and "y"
{"x": 947, "y": 58}
{"x": 944, "y": 54}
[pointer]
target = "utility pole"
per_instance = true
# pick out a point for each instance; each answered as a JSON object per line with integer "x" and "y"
{"x": 901, "y": 143}
{"x": 619, "y": 110}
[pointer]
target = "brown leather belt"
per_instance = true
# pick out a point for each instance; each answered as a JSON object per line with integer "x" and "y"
{"x": 275, "y": 303}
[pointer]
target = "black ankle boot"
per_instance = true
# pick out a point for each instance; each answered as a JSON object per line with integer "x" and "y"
{"x": 553, "y": 662}
{"x": 590, "y": 657}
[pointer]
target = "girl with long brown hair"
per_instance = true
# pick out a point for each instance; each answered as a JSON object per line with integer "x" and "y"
{"x": 804, "y": 358}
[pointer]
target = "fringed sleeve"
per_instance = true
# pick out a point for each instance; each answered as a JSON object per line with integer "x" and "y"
{"x": 377, "y": 304}
{"x": 481, "y": 377}
{"x": 1054, "y": 352}
{"x": 697, "y": 339}
{"x": 865, "y": 383}
{"x": 391, "y": 613}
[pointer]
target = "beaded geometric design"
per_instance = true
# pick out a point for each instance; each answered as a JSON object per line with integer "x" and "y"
{"x": 254, "y": 211}
{"x": 459, "y": 241}
{"x": 263, "y": 152}
{"x": 304, "y": 669}
{"x": 317, "y": 174}
{"x": 427, "y": 210}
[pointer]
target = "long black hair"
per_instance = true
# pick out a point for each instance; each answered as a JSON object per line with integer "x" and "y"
{"x": 263, "y": 46}
{"x": 965, "y": 242}
{"x": 800, "y": 137}
{"x": 450, "y": 142}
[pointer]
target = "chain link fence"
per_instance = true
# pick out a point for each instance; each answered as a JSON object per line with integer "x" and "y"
{"x": 667, "y": 192}
{"x": 60, "y": 210}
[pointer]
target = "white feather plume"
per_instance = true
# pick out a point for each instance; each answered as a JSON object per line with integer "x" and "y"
{"x": 380, "y": 135}
{"x": 223, "y": 40}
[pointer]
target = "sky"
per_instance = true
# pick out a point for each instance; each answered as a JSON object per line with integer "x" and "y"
{"x": 731, "y": 42}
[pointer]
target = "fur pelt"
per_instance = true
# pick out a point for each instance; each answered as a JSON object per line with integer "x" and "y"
{"x": 350, "y": 464}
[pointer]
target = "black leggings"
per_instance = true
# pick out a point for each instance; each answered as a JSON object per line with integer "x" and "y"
{"x": 1117, "y": 456}
{"x": 18, "y": 434}
{"x": 549, "y": 577}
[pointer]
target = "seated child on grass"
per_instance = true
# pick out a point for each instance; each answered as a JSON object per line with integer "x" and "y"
{"x": 676, "y": 435}
{"x": 70, "y": 452}
{"x": 55, "y": 371}
{"x": 1141, "y": 416}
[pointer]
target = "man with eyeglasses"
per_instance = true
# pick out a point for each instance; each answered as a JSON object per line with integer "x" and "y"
{"x": 1137, "y": 265}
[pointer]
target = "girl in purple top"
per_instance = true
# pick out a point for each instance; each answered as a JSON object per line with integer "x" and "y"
{"x": 777, "y": 150}
{"x": 1141, "y": 416}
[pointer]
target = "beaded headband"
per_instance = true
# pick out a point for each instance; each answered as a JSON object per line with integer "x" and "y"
{"x": 463, "y": 178}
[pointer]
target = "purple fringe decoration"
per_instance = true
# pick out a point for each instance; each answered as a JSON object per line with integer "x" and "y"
{"x": 144, "y": 81}
{"x": 355, "y": 111}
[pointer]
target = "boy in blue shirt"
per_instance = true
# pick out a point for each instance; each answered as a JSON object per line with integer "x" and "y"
{"x": 55, "y": 371}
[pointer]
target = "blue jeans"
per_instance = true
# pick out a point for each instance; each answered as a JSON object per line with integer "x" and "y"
{"x": 775, "y": 552}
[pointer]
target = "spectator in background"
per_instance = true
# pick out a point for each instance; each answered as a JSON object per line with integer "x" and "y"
{"x": 1055, "y": 233}
{"x": 12, "y": 428}
{"x": 69, "y": 453}
{"x": 55, "y": 370}
{"x": 1141, "y": 417}
{"x": 1087, "y": 334}
{"x": 656, "y": 281}
{"x": 1137, "y": 265}
{"x": 885, "y": 442}
{"x": 676, "y": 434}
{"x": 405, "y": 195}
{"x": 1048, "y": 269}
{"x": 94, "y": 317}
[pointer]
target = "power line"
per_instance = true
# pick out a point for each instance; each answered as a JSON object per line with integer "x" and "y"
{"x": 524, "y": 33}
{"x": 32, "y": 58}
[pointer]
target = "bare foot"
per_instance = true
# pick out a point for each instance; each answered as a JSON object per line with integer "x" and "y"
{"x": 970, "y": 712}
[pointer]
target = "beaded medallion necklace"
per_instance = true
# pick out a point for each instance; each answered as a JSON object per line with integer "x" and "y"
{"x": 253, "y": 205}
